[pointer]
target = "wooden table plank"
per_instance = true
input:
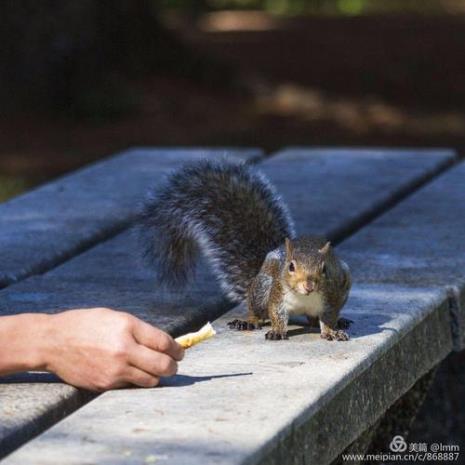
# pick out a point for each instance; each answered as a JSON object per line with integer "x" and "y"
{"x": 45, "y": 226}
{"x": 421, "y": 242}
{"x": 240, "y": 399}
{"x": 42, "y": 228}
{"x": 19, "y": 395}
{"x": 339, "y": 190}
{"x": 110, "y": 274}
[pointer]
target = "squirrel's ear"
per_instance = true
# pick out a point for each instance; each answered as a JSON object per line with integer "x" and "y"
{"x": 289, "y": 247}
{"x": 324, "y": 250}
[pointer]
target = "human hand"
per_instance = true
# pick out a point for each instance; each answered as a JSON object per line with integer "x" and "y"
{"x": 101, "y": 349}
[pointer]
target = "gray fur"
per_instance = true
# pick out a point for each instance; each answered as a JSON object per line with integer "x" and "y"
{"x": 227, "y": 211}
{"x": 277, "y": 254}
{"x": 259, "y": 294}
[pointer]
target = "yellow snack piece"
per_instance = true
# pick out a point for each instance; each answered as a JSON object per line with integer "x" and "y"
{"x": 191, "y": 339}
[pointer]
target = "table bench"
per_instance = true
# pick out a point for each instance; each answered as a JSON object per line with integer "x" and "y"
{"x": 398, "y": 218}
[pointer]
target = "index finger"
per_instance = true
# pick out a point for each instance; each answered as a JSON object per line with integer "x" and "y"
{"x": 156, "y": 339}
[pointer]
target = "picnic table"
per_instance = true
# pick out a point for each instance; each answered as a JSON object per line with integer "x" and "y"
{"x": 398, "y": 219}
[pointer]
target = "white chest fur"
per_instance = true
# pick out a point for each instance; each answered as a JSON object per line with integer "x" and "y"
{"x": 300, "y": 304}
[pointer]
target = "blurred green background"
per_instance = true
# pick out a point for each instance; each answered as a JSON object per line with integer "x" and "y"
{"x": 333, "y": 7}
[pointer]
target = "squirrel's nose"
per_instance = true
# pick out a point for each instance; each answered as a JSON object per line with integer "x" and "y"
{"x": 309, "y": 286}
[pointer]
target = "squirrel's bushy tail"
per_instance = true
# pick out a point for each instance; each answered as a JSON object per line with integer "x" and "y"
{"x": 227, "y": 211}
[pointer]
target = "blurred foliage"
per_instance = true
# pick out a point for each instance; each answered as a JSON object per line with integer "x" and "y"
{"x": 295, "y": 7}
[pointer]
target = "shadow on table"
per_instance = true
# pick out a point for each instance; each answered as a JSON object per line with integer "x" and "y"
{"x": 361, "y": 325}
{"x": 48, "y": 378}
{"x": 30, "y": 378}
{"x": 186, "y": 380}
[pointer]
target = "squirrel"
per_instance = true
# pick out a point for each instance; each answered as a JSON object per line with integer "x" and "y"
{"x": 233, "y": 215}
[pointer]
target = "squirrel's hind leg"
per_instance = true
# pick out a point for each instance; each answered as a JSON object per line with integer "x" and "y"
{"x": 258, "y": 295}
{"x": 342, "y": 323}
{"x": 245, "y": 325}
{"x": 254, "y": 319}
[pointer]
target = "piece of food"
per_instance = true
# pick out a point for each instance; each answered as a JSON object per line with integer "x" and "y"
{"x": 190, "y": 339}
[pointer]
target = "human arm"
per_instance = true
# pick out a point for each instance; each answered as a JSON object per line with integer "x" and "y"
{"x": 96, "y": 349}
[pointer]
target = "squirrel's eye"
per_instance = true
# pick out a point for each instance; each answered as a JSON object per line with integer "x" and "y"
{"x": 291, "y": 267}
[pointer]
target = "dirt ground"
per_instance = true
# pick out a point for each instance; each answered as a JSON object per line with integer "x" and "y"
{"x": 373, "y": 80}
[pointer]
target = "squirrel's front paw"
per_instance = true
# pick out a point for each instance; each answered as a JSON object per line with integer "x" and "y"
{"x": 335, "y": 335}
{"x": 276, "y": 335}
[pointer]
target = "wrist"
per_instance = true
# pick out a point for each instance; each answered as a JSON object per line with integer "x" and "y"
{"x": 24, "y": 342}
{"x": 39, "y": 334}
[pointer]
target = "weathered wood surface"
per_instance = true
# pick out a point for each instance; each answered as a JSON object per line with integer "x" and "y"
{"x": 338, "y": 190}
{"x": 59, "y": 220}
{"x": 240, "y": 399}
{"x": 19, "y": 405}
{"x": 44, "y": 227}
{"x": 110, "y": 274}
{"x": 421, "y": 242}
